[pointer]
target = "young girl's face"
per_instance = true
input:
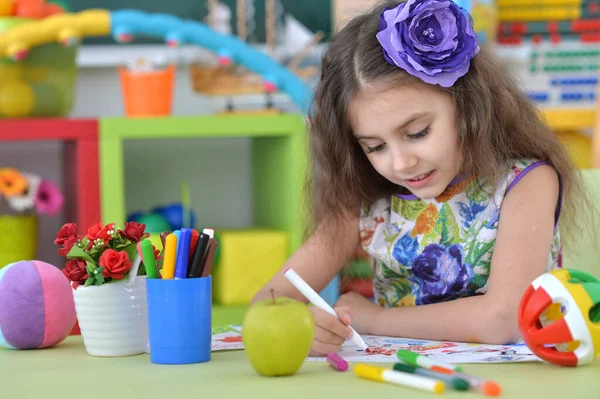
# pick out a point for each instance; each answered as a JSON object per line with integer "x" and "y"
{"x": 409, "y": 134}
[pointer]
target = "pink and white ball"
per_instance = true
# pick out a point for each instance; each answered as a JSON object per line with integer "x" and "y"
{"x": 36, "y": 305}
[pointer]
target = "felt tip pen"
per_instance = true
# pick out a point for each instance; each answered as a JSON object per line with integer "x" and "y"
{"x": 163, "y": 238}
{"x": 209, "y": 232}
{"x": 337, "y": 362}
{"x": 456, "y": 383}
{"x": 196, "y": 263}
{"x": 418, "y": 360}
{"x": 319, "y": 302}
{"x": 170, "y": 254}
{"x": 395, "y": 377}
{"x": 148, "y": 259}
{"x": 193, "y": 242}
{"x": 183, "y": 254}
{"x": 489, "y": 388}
{"x": 209, "y": 257}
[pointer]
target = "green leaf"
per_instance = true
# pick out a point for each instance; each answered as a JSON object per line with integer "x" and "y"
{"x": 432, "y": 238}
{"x": 100, "y": 279}
{"x": 79, "y": 253}
{"x": 477, "y": 251}
{"x": 408, "y": 209}
{"x": 90, "y": 267}
{"x": 479, "y": 280}
{"x": 389, "y": 273}
{"x": 476, "y": 191}
{"x": 447, "y": 227}
{"x": 89, "y": 281}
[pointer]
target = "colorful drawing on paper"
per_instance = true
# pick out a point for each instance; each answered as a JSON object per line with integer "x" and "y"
{"x": 227, "y": 338}
{"x": 383, "y": 349}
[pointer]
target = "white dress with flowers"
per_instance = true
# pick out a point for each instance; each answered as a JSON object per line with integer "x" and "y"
{"x": 435, "y": 250}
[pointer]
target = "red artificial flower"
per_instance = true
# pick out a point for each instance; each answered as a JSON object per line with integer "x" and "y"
{"x": 115, "y": 264}
{"x": 156, "y": 253}
{"x": 67, "y": 245}
{"x": 133, "y": 231}
{"x": 96, "y": 231}
{"x": 76, "y": 273}
{"x": 67, "y": 231}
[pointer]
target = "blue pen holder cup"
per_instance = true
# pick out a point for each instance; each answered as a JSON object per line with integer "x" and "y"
{"x": 180, "y": 320}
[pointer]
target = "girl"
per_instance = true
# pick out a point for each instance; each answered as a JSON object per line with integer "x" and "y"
{"x": 432, "y": 159}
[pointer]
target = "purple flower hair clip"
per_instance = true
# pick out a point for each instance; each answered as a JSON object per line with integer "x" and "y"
{"x": 432, "y": 40}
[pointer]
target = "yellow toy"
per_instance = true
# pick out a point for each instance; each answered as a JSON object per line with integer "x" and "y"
{"x": 6, "y": 7}
{"x": 559, "y": 317}
{"x": 247, "y": 260}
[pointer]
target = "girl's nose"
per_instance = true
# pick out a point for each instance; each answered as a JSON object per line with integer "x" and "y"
{"x": 404, "y": 162}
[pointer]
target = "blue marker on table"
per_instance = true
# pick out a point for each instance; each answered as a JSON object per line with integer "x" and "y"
{"x": 183, "y": 253}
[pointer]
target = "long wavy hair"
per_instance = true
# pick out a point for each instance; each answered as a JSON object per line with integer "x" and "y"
{"x": 496, "y": 123}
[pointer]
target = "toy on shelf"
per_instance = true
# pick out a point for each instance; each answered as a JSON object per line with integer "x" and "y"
{"x": 43, "y": 84}
{"x": 357, "y": 276}
{"x": 559, "y": 317}
{"x": 553, "y": 48}
{"x": 225, "y": 77}
{"x": 164, "y": 217}
{"x": 31, "y": 9}
{"x": 147, "y": 88}
{"x": 248, "y": 259}
{"x": 16, "y": 43}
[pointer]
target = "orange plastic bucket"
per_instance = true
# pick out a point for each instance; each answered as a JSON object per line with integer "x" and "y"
{"x": 147, "y": 93}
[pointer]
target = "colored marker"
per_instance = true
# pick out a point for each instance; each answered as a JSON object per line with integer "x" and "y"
{"x": 170, "y": 256}
{"x": 456, "y": 383}
{"x": 395, "y": 377}
{"x": 193, "y": 242}
{"x": 417, "y": 360}
{"x": 489, "y": 388}
{"x": 199, "y": 252}
{"x": 163, "y": 237}
{"x": 210, "y": 232}
{"x": 148, "y": 259}
{"x": 337, "y": 362}
{"x": 316, "y": 300}
{"x": 209, "y": 257}
{"x": 183, "y": 254}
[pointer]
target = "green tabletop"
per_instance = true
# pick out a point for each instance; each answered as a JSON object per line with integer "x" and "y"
{"x": 67, "y": 371}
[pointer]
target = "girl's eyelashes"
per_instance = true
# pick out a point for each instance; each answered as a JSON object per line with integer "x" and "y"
{"x": 376, "y": 148}
{"x": 420, "y": 134}
{"x": 413, "y": 136}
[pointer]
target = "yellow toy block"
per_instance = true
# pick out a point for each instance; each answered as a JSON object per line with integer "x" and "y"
{"x": 247, "y": 260}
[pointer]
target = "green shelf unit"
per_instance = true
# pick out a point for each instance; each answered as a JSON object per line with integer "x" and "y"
{"x": 279, "y": 162}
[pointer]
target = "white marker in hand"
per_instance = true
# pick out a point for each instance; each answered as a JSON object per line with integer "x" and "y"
{"x": 319, "y": 302}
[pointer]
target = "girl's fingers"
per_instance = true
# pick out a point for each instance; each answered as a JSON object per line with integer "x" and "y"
{"x": 327, "y": 336}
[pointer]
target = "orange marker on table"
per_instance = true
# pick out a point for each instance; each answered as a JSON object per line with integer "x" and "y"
{"x": 489, "y": 388}
{"x": 168, "y": 271}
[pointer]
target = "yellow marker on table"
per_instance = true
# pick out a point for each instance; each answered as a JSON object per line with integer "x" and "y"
{"x": 396, "y": 377}
{"x": 168, "y": 270}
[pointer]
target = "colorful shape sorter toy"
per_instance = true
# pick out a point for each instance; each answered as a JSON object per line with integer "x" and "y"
{"x": 559, "y": 317}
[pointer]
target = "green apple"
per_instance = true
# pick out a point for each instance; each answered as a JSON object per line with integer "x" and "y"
{"x": 278, "y": 334}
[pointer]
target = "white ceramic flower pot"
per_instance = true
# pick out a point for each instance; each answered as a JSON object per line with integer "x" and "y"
{"x": 113, "y": 317}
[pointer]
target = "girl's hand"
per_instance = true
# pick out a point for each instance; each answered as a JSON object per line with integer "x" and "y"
{"x": 363, "y": 311}
{"x": 330, "y": 332}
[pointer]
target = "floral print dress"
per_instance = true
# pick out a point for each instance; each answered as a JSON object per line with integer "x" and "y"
{"x": 439, "y": 249}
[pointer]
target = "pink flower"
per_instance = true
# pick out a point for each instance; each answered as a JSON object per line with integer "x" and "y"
{"x": 49, "y": 199}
